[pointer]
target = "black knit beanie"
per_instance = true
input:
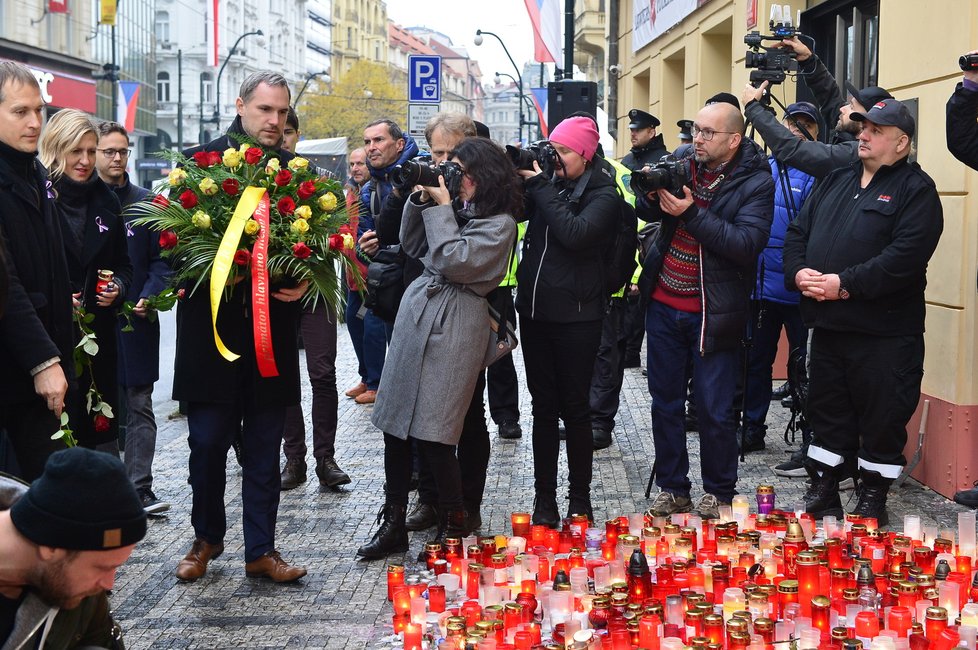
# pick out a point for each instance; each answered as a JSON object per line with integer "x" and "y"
{"x": 84, "y": 501}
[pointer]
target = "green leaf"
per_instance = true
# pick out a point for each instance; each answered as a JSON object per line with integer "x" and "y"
{"x": 58, "y": 435}
{"x": 88, "y": 318}
{"x": 64, "y": 418}
{"x": 105, "y": 410}
{"x": 91, "y": 348}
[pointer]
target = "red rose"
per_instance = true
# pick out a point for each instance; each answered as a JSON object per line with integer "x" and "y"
{"x": 336, "y": 242}
{"x": 230, "y": 186}
{"x": 242, "y": 257}
{"x": 181, "y": 294}
{"x": 101, "y": 423}
{"x": 161, "y": 201}
{"x": 253, "y": 155}
{"x": 286, "y": 205}
{"x": 203, "y": 159}
{"x": 188, "y": 199}
{"x": 301, "y": 251}
{"x": 306, "y": 189}
{"x": 168, "y": 239}
{"x": 283, "y": 177}
{"x": 213, "y": 158}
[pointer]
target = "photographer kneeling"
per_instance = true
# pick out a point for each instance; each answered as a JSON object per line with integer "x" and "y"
{"x": 441, "y": 333}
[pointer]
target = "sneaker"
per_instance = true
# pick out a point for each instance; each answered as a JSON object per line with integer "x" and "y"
{"x": 791, "y": 468}
{"x": 151, "y": 505}
{"x": 667, "y": 503}
{"x": 708, "y": 507}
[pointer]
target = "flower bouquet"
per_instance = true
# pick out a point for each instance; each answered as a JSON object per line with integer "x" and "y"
{"x": 241, "y": 214}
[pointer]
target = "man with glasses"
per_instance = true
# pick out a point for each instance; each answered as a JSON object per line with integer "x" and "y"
{"x": 139, "y": 350}
{"x": 697, "y": 280}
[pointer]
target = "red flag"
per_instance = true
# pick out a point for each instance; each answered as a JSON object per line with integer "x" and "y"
{"x": 216, "y": 25}
{"x": 58, "y": 7}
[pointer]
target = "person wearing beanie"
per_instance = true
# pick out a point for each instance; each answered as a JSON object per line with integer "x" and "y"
{"x": 561, "y": 298}
{"x": 62, "y": 539}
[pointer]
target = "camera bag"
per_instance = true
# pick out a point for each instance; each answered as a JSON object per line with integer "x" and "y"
{"x": 385, "y": 282}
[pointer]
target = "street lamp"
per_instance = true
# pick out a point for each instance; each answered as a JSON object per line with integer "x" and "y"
{"x": 217, "y": 104}
{"x": 519, "y": 77}
{"x": 310, "y": 77}
{"x": 523, "y": 98}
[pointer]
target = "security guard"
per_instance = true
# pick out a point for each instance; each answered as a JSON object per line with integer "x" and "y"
{"x": 647, "y": 147}
{"x": 685, "y": 131}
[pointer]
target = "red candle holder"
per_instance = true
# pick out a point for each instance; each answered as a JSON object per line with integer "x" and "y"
{"x": 521, "y": 524}
{"x": 436, "y": 598}
{"x": 395, "y": 578}
{"x": 412, "y": 636}
{"x": 402, "y": 600}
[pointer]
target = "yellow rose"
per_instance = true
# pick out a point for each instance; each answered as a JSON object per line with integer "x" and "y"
{"x": 348, "y": 242}
{"x": 252, "y": 227}
{"x": 303, "y": 212}
{"x": 243, "y": 148}
{"x": 327, "y": 202}
{"x": 231, "y": 158}
{"x": 176, "y": 177}
{"x": 201, "y": 219}
{"x": 297, "y": 164}
{"x": 208, "y": 187}
{"x": 300, "y": 226}
{"x": 272, "y": 166}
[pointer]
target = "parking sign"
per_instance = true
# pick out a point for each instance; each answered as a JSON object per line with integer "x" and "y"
{"x": 424, "y": 79}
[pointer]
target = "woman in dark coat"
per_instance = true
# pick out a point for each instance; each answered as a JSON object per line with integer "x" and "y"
{"x": 94, "y": 239}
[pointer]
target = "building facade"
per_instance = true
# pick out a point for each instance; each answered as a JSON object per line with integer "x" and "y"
{"x": 670, "y": 68}
{"x": 359, "y": 32}
{"x": 319, "y": 36}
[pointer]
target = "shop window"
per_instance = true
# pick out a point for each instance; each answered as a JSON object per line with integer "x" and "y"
{"x": 163, "y": 87}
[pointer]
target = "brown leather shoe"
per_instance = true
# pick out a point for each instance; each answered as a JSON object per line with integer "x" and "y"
{"x": 357, "y": 390}
{"x": 366, "y": 397}
{"x": 194, "y": 565}
{"x": 271, "y": 565}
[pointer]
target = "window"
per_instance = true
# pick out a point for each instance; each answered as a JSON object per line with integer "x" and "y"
{"x": 349, "y": 38}
{"x": 163, "y": 87}
{"x": 163, "y": 26}
{"x": 206, "y": 87}
{"x": 846, "y": 37}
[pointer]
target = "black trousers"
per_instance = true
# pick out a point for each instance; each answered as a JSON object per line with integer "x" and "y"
{"x": 503, "y": 386}
{"x": 559, "y": 360}
{"x": 863, "y": 389}
{"x": 398, "y": 464}
{"x": 633, "y": 330}
{"x": 29, "y": 427}
{"x": 609, "y": 367}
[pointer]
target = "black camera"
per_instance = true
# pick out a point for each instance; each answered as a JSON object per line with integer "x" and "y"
{"x": 968, "y": 62}
{"x": 668, "y": 174}
{"x": 542, "y": 152}
{"x": 773, "y": 64}
{"x": 418, "y": 172}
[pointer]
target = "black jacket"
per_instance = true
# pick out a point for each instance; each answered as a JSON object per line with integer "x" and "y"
{"x": 962, "y": 125}
{"x": 650, "y": 154}
{"x": 201, "y": 374}
{"x": 732, "y": 232}
{"x": 37, "y": 323}
{"x": 561, "y": 274}
{"x": 878, "y": 239}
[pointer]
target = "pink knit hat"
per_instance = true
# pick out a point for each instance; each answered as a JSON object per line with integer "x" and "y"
{"x": 579, "y": 134}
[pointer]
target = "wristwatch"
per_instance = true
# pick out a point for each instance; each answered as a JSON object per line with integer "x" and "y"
{"x": 843, "y": 294}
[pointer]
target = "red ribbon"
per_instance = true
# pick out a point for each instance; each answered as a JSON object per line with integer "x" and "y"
{"x": 262, "y": 322}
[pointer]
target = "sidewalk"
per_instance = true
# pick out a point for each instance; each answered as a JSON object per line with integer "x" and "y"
{"x": 343, "y": 603}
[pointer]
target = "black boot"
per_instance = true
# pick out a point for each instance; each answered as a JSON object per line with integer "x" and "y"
{"x": 423, "y": 517}
{"x": 872, "y": 492}
{"x": 451, "y": 523}
{"x": 329, "y": 473}
{"x": 473, "y": 516}
{"x": 580, "y": 505}
{"x": 822, "y": 498}
{"x": 390, "y": 538}
{"x": 545, "y": 510}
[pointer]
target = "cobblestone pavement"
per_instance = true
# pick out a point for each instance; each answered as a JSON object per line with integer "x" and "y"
{"x": 342, "y": 602}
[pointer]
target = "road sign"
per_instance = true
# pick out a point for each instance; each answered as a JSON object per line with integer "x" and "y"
{"x": 418, "y": 116}
{"x": 424, "y": 79}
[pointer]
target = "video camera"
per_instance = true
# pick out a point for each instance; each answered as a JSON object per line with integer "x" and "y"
{"x": 541, "y": 151}
{"x": 773, "y": 64}
{"x": 420, "y": 172}
{"x": 667, "y": 174}
{"x": 968, "y": 62}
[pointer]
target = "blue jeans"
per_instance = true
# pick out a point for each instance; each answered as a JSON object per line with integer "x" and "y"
{"x": 673, "y": 342}
{"x": 761, "y": 355}
{"x": 369, "y": 336}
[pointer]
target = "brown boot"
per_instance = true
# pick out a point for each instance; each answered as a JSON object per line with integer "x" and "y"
{"x": 194, "y": 565}
{"x": 271, "y": 565}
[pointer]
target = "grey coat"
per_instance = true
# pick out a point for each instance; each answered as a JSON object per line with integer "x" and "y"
{"x": 442, "y": 327}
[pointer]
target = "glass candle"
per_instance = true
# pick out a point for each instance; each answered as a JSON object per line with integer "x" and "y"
{"x": 899, "y": 619}
{"x": 395, "y": 578}
{"x": 521, "y": 524}
{"x": 412, "y": 636}
{"x": 402, "y": 600}
{"x": 808, "y": 580}
{"x": 935, "y": 620}
{"x": 765, "y": 498}
{"x": 734, "y": 600}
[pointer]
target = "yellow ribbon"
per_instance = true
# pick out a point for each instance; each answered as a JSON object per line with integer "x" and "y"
{"x": 225, "y": 258}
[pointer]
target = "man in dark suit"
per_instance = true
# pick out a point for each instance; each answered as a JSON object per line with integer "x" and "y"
{"x": 227, "y": 398}
{"x": 139, "y": 349}
{"x": 36, "y": 327}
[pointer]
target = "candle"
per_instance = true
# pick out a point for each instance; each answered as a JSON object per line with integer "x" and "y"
{"x": 395, "y": 577}
{"x": 899, "y": 620}
{"x": 436, "y": 598}
{"x": 412, "y": 636}
{"x": 521, "y": 524}
{"x": 402, "y": 600}
{"x": 765, "y": 498}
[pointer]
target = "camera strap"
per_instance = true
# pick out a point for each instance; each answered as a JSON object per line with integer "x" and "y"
{"x": 575, "y": 196}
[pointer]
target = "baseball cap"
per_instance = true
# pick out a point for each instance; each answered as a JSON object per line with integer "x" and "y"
{"x": 803, "y": 108}
{"x": 868, "y": 95}
{"x": 888, "y": 112}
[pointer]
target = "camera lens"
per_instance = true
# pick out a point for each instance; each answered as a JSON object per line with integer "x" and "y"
{"x": 968, "y": 62}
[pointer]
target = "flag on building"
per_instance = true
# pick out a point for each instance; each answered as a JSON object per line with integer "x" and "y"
{"x": 545, "y": 16}
{"x": 58, "y": 7}
{"x": 540, "y": 96}
{"x": 107, "y": 15}
{"x": 128, "y": 98}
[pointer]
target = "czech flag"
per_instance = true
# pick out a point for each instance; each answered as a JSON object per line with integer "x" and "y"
{"x": 545, "y": 16}
{"x": 58, "y": 6}
{"x": 128, "y": 97}
{"x": 540, "y": 97}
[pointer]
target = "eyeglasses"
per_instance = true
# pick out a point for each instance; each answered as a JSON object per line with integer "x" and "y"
{"x": 706, "y": 134}
{"x": 112, "y": 153}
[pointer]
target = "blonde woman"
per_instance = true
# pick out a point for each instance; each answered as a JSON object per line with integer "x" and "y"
{"x": 94, "y": 239}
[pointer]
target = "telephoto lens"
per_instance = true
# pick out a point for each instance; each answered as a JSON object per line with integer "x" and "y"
{"x": 968, "y": 62}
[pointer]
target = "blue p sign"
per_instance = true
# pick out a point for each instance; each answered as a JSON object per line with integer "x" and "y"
{"x": 424, "y": 79}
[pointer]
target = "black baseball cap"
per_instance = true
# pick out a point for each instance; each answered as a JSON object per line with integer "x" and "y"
{"x": 641, "y": 120}
{"x": 868, "y": 95}
{"x": 803, "y": 108}
{"x": 888, "y": 112}
{"x": 723, "y": 98}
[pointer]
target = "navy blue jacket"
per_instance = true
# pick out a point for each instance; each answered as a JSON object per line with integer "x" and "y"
{"x": 731, "y": 232}
{"x": 770, "y": 268}
{"x": 139, "y": 350}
